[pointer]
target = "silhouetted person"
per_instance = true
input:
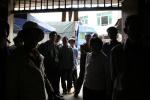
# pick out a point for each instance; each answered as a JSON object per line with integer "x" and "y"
{"x": 72, "y": 42}
{"x": 130, "y": 62}
{"x": 95, "y": 35}
{"x": 97, "y": 74}
{"x": 85, "y": 48}
{"x": 58, "y": 40}
{"x": 4, "y": 52}
{"x": 50, "y": 51}
{"x": 112, "y": 33}
{"x": 66, "y": 66}
{"x": 18, "y": 41}
{"x": 25, "y": 73}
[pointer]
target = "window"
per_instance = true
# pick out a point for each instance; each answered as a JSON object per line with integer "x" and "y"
{"x": 104, "y": 19}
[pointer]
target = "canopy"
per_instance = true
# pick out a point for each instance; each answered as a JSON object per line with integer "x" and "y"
{"x": 86, "y": 28}
{"x": 18, "y": 23}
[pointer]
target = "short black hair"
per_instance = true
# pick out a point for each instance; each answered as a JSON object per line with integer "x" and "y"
{"x": 96, "y": 44}
{"x": 112, "y": 30}
{"x": 36, "y": 34}
{"x": 52, "y": 34}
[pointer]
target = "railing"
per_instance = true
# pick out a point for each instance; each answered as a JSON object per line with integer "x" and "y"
{"x": 65, "y": 5}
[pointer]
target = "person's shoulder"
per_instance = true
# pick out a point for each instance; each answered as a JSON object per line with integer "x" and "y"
{"x": 89, "y": 54}
{"x": 118, "y": 42}
{"x": 46, "y": 42}
{"x": 43, "y": 44}
{"x": 117, "y": 49}
{"x": 82, "y": 46}
{"x": 106, "y": 43}
{"x": 76, "y": 49}
{"x": 70, "y": 47}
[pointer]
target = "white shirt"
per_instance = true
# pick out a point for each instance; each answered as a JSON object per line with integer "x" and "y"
{"x": 97, "y": 71}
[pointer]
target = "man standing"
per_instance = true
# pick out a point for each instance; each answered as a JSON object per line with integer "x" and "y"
{"x": 72, "y": 42}
{"x": 85, "y": 48}
{"x": 51, "y": 60}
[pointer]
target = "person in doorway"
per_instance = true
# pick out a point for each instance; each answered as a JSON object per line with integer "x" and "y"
{"x": 24, "y": 76}
{"x": 67, "y": 64}
{"x": 72, "y": 42}
{"x": 112, "y": 33}
{"x": 85, "y": 48}
{"x": 130, "y": 61}
{"x": 18, "y": 41}
{"x": 50, "y": 51}
{"x": 97, "y": 75}
{"x": 4, "y": 52}
{"x": 58, "y": 40}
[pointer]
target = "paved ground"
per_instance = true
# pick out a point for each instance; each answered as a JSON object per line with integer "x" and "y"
{"x": 71, "y": 96}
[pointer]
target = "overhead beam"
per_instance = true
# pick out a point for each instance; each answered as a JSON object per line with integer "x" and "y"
{"x": 69, "y": 9}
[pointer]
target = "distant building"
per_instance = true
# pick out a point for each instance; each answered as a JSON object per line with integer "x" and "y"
{"x": 100, "y": 20}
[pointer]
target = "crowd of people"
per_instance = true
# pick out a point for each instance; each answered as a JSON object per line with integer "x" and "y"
{"x": 108, "y": 71}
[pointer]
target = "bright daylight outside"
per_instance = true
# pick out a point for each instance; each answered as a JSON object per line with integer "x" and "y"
{"x": 90, "y": 22}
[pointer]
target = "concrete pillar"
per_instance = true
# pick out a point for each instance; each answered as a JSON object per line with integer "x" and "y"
{"x": 11, "y": 20}
{"x": 76, "y": 16}
{"x": 11, "y": 24}
{"x": 63, "y": 16}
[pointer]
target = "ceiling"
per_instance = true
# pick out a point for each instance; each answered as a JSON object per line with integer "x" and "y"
{"x": 55, "y": 4}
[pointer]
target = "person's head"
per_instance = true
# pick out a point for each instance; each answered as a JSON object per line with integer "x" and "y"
{"x": 30, "y": 24}
{"x": 53, "y": 36}
{"x": 112, "y": 33}
{"x": 134, "y": 27}
{"x": 58, "y": 38}
{"x": 96, "y": 44}
{"x": 95, "y": 35}
{"x": 65, "y": 41}
{"x": 18, "y": 40}
{"x": 88, "y": 38}
{"x": 31, "y": 35}
{"x": 4, "y": 32}
{"x": 72, "y": 42}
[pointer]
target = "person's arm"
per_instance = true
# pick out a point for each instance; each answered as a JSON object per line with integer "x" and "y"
{"x": 41, "y": 48}
{"x": 72, "y": 58}
{"x": 32, "y": 83}
{"x": 108, "y": 76}
{"x": 82, "y": 59}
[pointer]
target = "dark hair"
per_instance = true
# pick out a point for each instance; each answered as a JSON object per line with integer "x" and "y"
{"x": 32, "y": 31}
{"x": 58, "y": 36}
{"x": 30, "y": 24}
{"x": 88, "y": 35}
{"x": 19, "y": 37}
{"x": 35, "y": 34}
{"x": 96, "y": 44}
{"x": 94, "y": 35}
{"x": 112, "y": 31}
{"x": 52, "y": 34}
{"x": 134, "y": 26}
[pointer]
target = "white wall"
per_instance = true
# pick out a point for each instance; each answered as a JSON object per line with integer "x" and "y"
{"x": 92, "y": 20}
